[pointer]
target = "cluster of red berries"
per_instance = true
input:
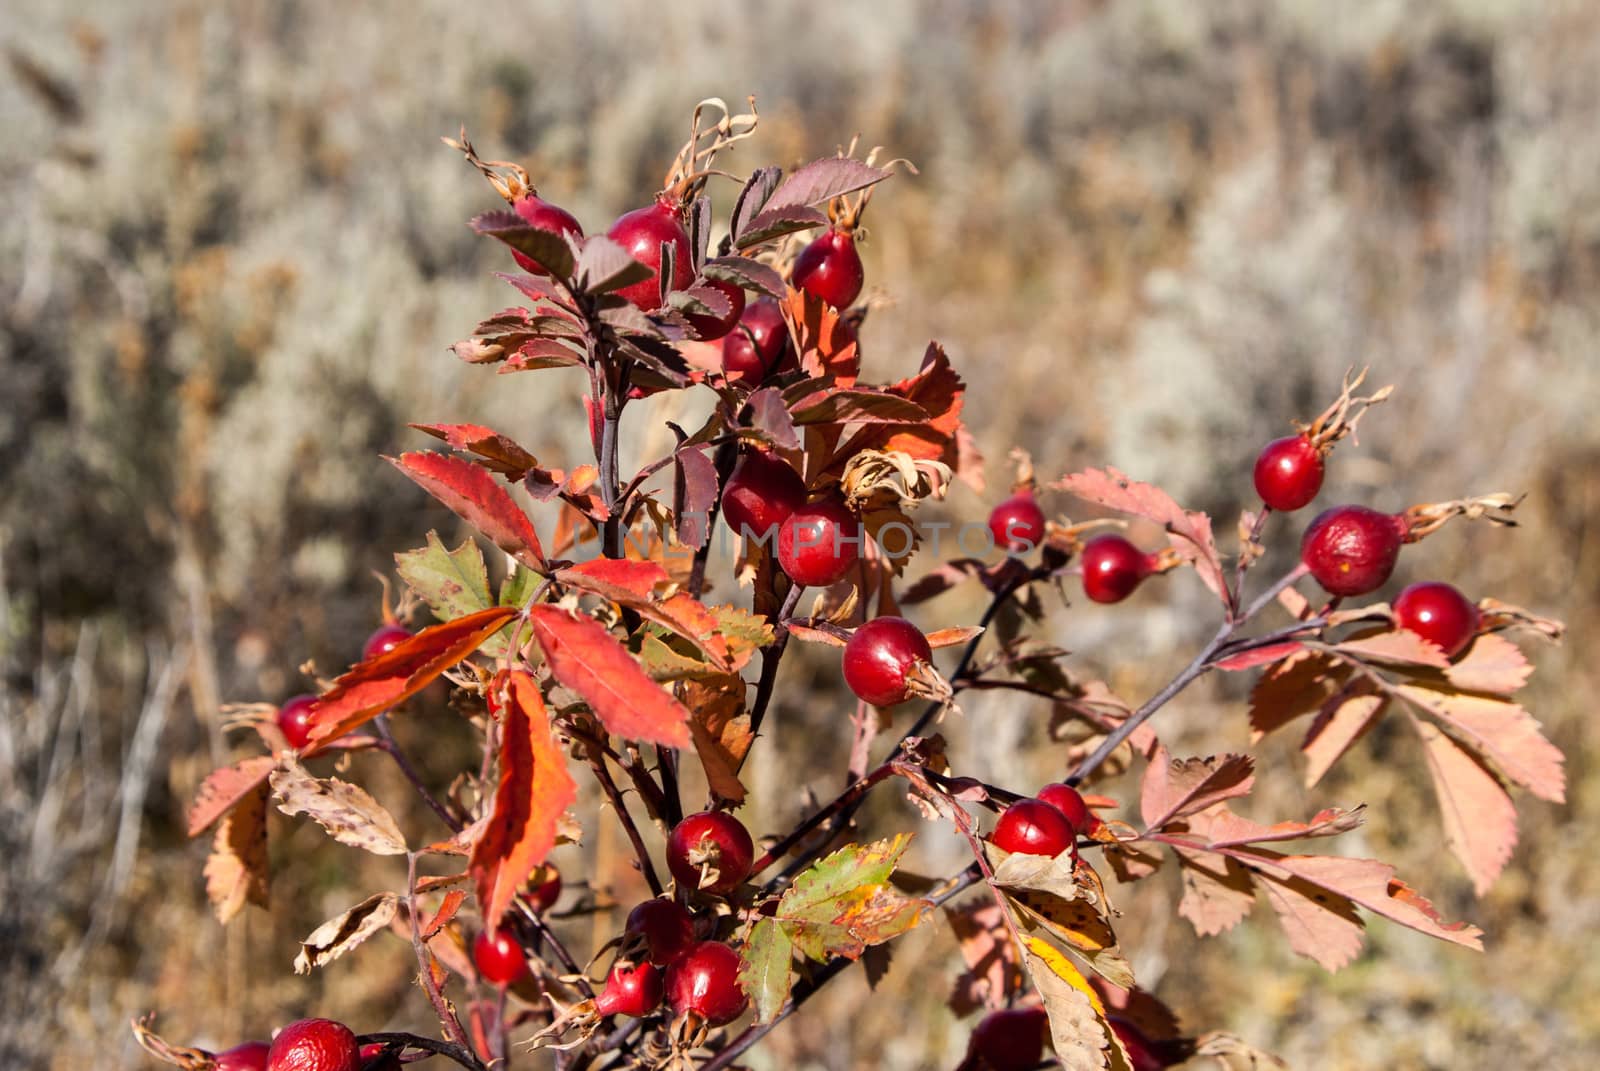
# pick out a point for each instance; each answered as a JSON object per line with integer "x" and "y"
{"x": 294, "y": 715}
{"x": 817, "y": 542}
{"x": 307, "y": 1045}
{"x": 1047, "y": 824}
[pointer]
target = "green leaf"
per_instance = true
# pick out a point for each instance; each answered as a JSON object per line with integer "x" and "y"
{"x": 453, "y": 583}
{"x": 768, "y": 956}
{"x": 844, "y": 902}
{"x": 518, "y": 587}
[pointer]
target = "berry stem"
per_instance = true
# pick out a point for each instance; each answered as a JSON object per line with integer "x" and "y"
{"x": 460, "y": 1055}
{"x": 447, "y": 1015}
{"x": 770, "y": 656}
{"x": 608, "y": 785}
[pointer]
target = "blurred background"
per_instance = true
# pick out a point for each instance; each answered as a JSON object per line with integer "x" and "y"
{"x": 233, "y": 254}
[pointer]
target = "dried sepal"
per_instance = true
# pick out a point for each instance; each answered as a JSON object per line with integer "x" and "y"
{"x": 1340, "y": 418}
{"x": 1423, "y": 520}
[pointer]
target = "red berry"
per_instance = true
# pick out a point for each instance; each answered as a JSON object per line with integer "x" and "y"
{"x": 830, "y": 268}
{"x": 631, "y": 989}
{"x": 545, "y": 894}
{"x": 1033, "y": 827}
{"x": 1017, "y": 524}
{"x": 251, "y": 1056}
{"x": 1288, "y": 473}
{"x": 662, "y": 927}
{"x": 761, "y": 494}
{"x": 384, "y": 640}
{"x": 1439, "y": 614}
{"x": 713, "y": 840}
{"x": 1009, "y": 1040}
{"x": 1069, "y": 802}
{"x": 705, "y": 981}
{"x": 314, "y": 1045}
{"x": 294, "y": 718}
{"x": 1351, "y": 550}
{"x": 759, "y": 346}
{"x": 547, "y": 217}
{"x": 499, "y": 958}
{"x": 1112, "y": 568}
{"x": 819, "y": 543}
{"x": 709, "y": 328}
{"x": 878, "y": 657}
{"x": 641, "y": 233}
{"x": 1141, "y": 1054}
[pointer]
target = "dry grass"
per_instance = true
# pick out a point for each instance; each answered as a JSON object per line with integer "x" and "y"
{"x": 1150, "y": 232}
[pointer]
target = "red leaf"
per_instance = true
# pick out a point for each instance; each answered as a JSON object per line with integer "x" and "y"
{"x": 499, "y": 453}
{"x": 376, "y": 685}
{"x": 441, "y": 918}
{"x": 1492, "y": 664}
{"x": 1502, "y": 732}
{"x": 1259, "y": 656}
{"x": 535, "y": 788}
{"x": 1343, "y": 720}
{"x": 584, "y": 656}
{"x": 474, "y": 496}
{"x": 1188, "y": 531}
{"x": 1173, "y": 788}
{"x": 632, "y": 584}
{"x": 1217, "y": 892}
{"x": 223, "y": 789}
{"x": 1480, "y": 821}
{"x": 1401, "y": 646}
{"x": 938, "y": 389}
{"x": 1293, "y": 688}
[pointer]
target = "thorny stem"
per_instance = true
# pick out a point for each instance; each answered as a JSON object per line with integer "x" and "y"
{"x": 806, "y": 987}
{"x": 771, "y": 654}
{"x": 608, "y": 785}
{"x": 447, "y": 1017}
{"x": 388, "y": 745}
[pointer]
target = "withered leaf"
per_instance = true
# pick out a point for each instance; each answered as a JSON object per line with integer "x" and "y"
{"x": 346, "y": 811}
{"x": 343, "y": 932}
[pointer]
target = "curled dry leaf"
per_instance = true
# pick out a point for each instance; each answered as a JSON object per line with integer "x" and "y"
{"x": 223, "y": 789}
{"x": 346, "y": 811}
{"x": 1083, "y": 1039}
{"x": 345, "y": 931}
{"x": 1173, "y": 788}
{"x": 236, "y": 870}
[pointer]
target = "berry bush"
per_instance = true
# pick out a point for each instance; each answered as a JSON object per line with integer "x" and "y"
{"x": 603, "y": 639}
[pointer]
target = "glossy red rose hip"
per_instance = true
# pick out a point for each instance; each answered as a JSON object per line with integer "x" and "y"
{"x": 1439, "y": 614}
{"x": 1288, "y": 473}
{"x": 712, "y": 846}
{"x": 314, "y": 1045}
{"x": 631, "y": 989}
{"x": 760, "y": 495}
{"x": 547, "y": 217}
{"x": 642, "y": 233}
{"x": 384, "y": 640}
{"x": 499, "y": 958}
{"x": 1033, "y": 827}
{"x": 251, "y": 1056}
{"x": 660, "y": 928}
{"x": 705, "y": 981}
{"x": 1112, "y": 568}
{"x": 1351, "y": 550}
{"x": 547, "y": 892}
{"x": 1017, "y": 524}
{"x": 879, "y": 657}
{"x": 830, "y": 268}
{"x": 819, "y": 543}
{"x": 1069, "y": 801}
{"x": 294, "y": 719}
{"x": 758, "y": 346}
{"x": 1008, "y": 1040}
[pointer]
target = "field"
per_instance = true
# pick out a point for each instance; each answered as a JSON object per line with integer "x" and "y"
{"x": 1149, "y": 233}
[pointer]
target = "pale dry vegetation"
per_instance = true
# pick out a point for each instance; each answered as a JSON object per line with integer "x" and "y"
{"x": 232, "y": 258}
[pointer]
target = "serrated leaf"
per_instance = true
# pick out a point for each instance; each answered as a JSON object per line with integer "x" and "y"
{"x": 497, "y": 452}
{"x": 604, "y": 266}
{"x": 236, "y": 869}
{"x": 777, "y": 222}
{"x": 770, "y": 416}
{"x": 1173, "y": 788}
{"x": 1082, "y": 1038}
{"x": 534, "y": 790}
{"x": 823, "y": 180}
{"x": 549, "y": 249}
{"x": 377, "y": 684}
{"x": 1492, "y": 664}
{"x": 694, "y": 495}
{"x": 474, "y": 496}
{"x": 844, "y": 902}
{"x": 1501, "y": 732}
{"x": 1188, "y": 531}
{"x": 345, "y": 931}
{"x": 518, "y": 587}
{"x": 348, "y": 814}
{"x": 1480, "y": 821}
{"x": 721, "y": 732}
{"x": 767, "y": 957}
{"x": 633, "y": 584}
{"x": 752, "y": 196}
{"x": 1053, "y": 876}
{"x": 1217, "y": 892}
{"x": 585, "y": 657}
{"x": 225, "y": 788}
{"x": 747, "y": 274}
{"x": 453, "y": 583}
{"x": 1399, "y": 646}
{"x": 854, "y": 406}
{"x": 1293, "y": 688}
{"x": 1342, "y": 721}
{"x": 1080, "y": 926}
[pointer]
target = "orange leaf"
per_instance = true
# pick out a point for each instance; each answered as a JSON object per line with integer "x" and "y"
{"x": 498, "y": 452}
{"x": 223, "y": 789}
{"x": 1480, "y": 821}
{"x": 379, "y": 683}
{"x": 633, "y": 583}
{"x": 535, "y": 788}
{"x": 584, "y": 656}
{"x": 472, "y": 493}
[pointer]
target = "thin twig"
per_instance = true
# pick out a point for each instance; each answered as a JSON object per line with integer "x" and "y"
{"x": 771, "y": 655}
{"x": 388, "y": 744}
